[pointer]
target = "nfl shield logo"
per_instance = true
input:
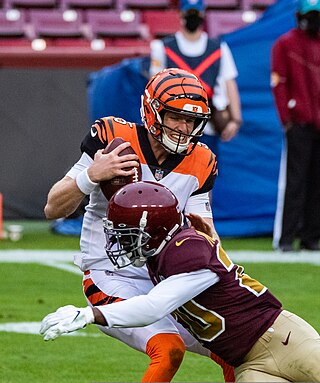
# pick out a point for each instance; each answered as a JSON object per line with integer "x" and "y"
{"x": 158, "y": 175}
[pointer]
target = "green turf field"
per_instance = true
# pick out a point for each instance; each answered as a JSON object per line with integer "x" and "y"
{"x": 37, "y": 235}
{"x": 31, "y": 290}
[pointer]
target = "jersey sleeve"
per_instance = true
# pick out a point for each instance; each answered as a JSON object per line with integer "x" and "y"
{"x": 84, "y": 162}
{"x": 97, "y": 138}
{"x": 206, "y": 166}
{"x": 163, "y": 299}
{"x": 158, "y": 57}
{"x": 279, "y": 81}
{"x": 228, "y": 69}
{"x": 199, "y": 204}
{"x": 191, "y": 252}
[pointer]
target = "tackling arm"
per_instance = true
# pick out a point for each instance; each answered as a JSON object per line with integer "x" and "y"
{"x": 137, "y": 311}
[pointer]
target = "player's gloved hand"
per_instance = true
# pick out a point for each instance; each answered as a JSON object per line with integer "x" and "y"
{"x": 66, "y": 319}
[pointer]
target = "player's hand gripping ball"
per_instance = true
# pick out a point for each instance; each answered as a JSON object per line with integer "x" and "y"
{"x": 109, "y": 187}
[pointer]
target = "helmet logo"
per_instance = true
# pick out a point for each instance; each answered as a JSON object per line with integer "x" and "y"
{"x": 192, "y": 108}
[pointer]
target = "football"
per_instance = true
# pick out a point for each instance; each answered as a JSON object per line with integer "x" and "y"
{"x": 109, "y": 187}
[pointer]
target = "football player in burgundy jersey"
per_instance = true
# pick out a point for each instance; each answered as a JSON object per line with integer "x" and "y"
{"x": 174, "y": 113}
{"x": 230, "y": 313}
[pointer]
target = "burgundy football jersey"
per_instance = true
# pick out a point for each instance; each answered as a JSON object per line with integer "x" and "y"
{"x": 228, "y": 317}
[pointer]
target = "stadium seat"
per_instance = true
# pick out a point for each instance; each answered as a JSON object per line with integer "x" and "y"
{"x": 124, "y": 42}
{"x": 86, "y": 4}
{"x": 56, "y": 23}
{"x": 143, "y": 4}
{"x": 115, "y": 24}
{"x": 30, "y": 4}
{"x": 161, "y": 23}
{"x": 222, "y": 22}
{"x": 12, "y": 23}
{"x": 256, "y": 4}
{"x": 225, "y": 4}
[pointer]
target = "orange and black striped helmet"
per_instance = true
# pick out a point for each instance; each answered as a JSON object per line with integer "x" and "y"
{"x": 178, "y": 91}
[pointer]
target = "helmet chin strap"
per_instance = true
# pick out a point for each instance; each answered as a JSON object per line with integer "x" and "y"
{"x": 142, "y": 225}
{"x": 176, "y": 147}
{"x": 167, "y": 239}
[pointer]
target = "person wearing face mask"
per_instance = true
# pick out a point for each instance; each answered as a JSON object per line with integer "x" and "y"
{"x": 295, "y": 81}
{"x": 209, "y": 59}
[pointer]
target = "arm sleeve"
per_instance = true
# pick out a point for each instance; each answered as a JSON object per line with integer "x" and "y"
{"x": 158, "y": 57}
{"x": 163, "y": 299}
{"x": 84, "y": 162}
{"x": 279, "y": 81}
{"x": 227, "y": 71}
{"x": 199, "y": 204}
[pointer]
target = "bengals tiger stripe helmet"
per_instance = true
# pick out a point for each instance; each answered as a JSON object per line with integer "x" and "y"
{"x": 178, "y": 91}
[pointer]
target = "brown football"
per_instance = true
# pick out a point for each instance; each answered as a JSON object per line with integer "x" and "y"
{"x": 109, "y": 187}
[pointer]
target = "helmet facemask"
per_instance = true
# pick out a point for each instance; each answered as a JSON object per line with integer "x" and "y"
{"x": 130, "y": 245}
{"x": 161, "y": 132}
{"x": 124, "y": 244}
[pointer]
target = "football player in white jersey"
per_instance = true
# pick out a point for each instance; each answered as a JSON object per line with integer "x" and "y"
{"x": 174, "y": 113}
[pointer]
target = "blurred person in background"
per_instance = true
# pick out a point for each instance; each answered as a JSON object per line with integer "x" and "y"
{"x": 295, "y": 82}
{"x": 209, "y": 59}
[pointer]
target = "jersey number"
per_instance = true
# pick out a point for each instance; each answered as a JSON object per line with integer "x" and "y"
{"x": 205, "y": 324}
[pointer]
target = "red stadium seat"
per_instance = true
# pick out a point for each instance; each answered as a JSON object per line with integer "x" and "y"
{"x": 115, "y": 24}
{"x": 56, "y": 23}
{"x": 30, "y": 4}
{"x": 143, "y": 4}
{"x": 225, "y": 4}
{"x": 86, "y": 4}
{"x": 256, "y": 4}
{"x": 12, "y": 23}
{"x": 221, "y": 22}
{"x": 161, "y": 23}
{"x": 124, "y": 42}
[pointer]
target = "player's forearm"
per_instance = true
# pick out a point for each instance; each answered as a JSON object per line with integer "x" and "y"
{"x": 63, "y": 199}
{"x": 162, "y": 300}
{"x": 234, "y": 99}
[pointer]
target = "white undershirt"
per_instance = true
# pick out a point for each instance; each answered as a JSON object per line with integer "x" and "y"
{"x": 162, "y": 300}
{"x": 227, "y": 70}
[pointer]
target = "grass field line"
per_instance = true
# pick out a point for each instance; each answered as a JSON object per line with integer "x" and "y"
{"x": 34, "y": 328}
{"x": 63, "y": 259}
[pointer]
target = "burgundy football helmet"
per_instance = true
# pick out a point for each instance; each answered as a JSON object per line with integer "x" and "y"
{"x": 141, "y": 218}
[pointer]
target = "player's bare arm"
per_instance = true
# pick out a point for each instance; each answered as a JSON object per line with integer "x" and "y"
{"x": 235, "y": 123}
{"x": 63, "y": 199}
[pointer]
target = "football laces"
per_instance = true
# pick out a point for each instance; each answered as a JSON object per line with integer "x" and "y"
{"x": 135, "y": 176}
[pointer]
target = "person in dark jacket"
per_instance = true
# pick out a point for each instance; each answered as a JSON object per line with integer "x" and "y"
{"x": 295, "y": 82}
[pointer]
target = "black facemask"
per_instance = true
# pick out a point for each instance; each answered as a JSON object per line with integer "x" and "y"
{"x": 310, "y": 23}
{"x": 192, "y": 21}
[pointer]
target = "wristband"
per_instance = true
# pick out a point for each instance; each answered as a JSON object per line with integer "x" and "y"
{"x": 84, "y": 182}
{"x": 89, "y": 315}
